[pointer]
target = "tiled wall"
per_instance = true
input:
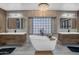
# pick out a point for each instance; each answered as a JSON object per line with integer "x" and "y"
{"x": 32, "y": 13}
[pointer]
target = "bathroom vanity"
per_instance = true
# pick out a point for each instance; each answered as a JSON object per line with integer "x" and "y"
{"x": 11, "y": 38}
{"x": 68, "y": 37}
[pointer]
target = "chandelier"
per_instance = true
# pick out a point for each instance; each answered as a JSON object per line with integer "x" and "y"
{"x": 43, "y": 6}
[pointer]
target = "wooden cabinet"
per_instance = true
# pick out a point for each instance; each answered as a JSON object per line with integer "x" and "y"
{"x": 2, "y": 20}
{"x": 77, "y": 21}
{"x": 68, "y": 38}
{"x": 13, "y": 39}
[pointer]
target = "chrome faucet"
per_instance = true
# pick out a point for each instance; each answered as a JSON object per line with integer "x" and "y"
{"x": 15, "y": 30}
{"x": 68, "y": 30}
{"x": 42, "y": 31}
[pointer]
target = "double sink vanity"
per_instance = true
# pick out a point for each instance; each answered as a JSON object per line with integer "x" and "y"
{"x": 17, "y": 38}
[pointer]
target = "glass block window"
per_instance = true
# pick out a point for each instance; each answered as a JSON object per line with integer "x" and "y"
{"x": 41, "y": 23}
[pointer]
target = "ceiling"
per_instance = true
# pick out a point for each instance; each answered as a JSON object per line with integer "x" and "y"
{"x": 34, "y": 6}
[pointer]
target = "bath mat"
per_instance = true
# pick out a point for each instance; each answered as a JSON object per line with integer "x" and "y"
{"x": 74, "y": 49}
{"x": 5, "y": 51}
{"x": 43, "y": 53}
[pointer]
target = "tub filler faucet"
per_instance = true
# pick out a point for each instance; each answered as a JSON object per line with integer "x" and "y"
{"x": 42, "y": 31}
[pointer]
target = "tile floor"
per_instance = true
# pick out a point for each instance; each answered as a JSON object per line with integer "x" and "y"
{"x": 63, "y": 50}
{"x": 28, "y": 49}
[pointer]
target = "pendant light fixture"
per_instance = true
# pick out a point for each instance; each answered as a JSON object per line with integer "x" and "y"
{"x": 43, "y": 6}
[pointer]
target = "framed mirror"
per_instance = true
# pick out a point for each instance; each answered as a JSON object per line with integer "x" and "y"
{"x": 65, "y": 23}
{"x": 15, "y": 23}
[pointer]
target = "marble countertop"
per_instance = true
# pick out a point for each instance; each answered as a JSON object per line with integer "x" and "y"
{"x": 13, "y": 33}
{"x": 68, "y": 32}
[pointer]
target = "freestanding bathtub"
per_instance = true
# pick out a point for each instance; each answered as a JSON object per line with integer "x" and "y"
{"x": 42, "y": 43}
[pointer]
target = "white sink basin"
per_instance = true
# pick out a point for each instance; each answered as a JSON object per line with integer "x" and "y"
{"x": 68, "y": 32}
{"x": 13, "y": 33}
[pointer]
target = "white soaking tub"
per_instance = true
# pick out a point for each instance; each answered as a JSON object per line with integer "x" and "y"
{"x": 42, "y": 43}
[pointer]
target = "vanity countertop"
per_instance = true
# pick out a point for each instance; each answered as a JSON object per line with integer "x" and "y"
{"x": 68, "y": 32}
{"x": 13, "y": 33}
